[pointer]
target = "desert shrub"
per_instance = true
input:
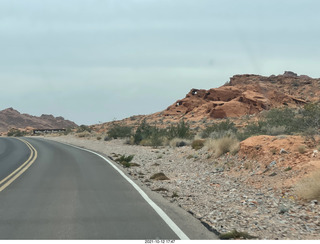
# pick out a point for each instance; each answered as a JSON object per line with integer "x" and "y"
{"x": 276, "y": 130}
{"x": 156, "y": 139}
{"x": 252, "y": 129}
{"x": 152, "y": 142}
{"x": 181, "y": 130}
{"x": 285, "y": 121}
{"x": 152, "y": 136}
{"x": 125, "y": 161}
{"x": 223, "y": 133}
{"x": 148, "y": 135}
{"x": 118, "y": 131}
{"x": 302, "y": 149}
{"x": 144, "y": 131}
{"x": 223, "y": 145}
{"x": 234, "y": 234}
{"x": 107, "y": 138}
{"x": 83, "y": 128}
{"x": 283, "y": 117}
{"x": 83, "y": 134}
{"x": 16, "y": 133}
{"x": 179, "y": 142}
{"x": 309, "y": 188}
{"x": 159, "y": 176}
{"x": 219, "y": 128}
{"x": 311, "y": 116}
{"x": 197, "y": 144}
{"x": 67, "y": 131}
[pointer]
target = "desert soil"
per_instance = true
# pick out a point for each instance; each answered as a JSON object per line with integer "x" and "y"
{"x": 226, "y": 193}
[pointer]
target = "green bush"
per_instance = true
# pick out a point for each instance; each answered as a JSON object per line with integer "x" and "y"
{"x": 152, "y": 136}
{"x": 311, "y": 117}
{"x": 197, "y": 144}
{"x": 83, "y": 128}
{"x": 118, "y": 131}
{"x": 125, "y": 161}
{"x": 252, "y": 129}
{"x": 218, "y": 130}
{"x": 148, "y": 132}
{"x": 284, "y": 117}
{"x": 181, "y": 130}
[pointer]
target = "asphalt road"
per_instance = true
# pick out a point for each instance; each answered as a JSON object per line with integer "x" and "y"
{"x": 69, "y": 193}
{"x": 13, "y": 153}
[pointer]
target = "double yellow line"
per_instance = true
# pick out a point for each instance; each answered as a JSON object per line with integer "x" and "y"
{"x": 19, "y": 171}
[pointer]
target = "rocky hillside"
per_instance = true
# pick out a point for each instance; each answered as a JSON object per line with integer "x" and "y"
{"x": 11, "y": 118}
{"x": 246, "y": 94}
{"x": 243, "y": 95}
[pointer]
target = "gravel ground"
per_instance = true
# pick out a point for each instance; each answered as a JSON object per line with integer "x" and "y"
{"x": 213, "y": 194}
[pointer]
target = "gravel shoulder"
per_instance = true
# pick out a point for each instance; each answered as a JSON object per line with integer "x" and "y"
{"x": 222, "y": 200}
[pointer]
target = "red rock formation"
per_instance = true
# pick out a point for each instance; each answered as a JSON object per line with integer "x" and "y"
{"x": 242, "y": 95}
{"x": 246, "y": 94}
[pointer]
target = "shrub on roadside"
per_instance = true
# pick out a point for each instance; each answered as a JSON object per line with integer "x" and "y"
{"x": 83, "y": 134}
{"x": 118, "y": 131}
{"x": 309, "y": 188}
{"x": 197, "y": 144}
{"x": 252, "y": 129}
{"x": 179, "y": 142}
{"x": 223, "y": 145}
{"x": 83, "y": 128}
{"x": 159, "y": 176}
{"x": 125, "y": 161}
{"x": 148, "y": 135}
{"x": 16, "y": 133}
{"x": 181, "y": 130}
{"x": 218, "y": 129}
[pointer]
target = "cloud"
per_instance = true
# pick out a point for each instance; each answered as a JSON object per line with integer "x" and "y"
{"x": 91, "y": 60}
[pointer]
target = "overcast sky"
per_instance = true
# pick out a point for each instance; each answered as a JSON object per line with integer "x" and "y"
{"x": 93, "y": 61}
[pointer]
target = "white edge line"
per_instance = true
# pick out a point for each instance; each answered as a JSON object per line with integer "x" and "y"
{"x": 161, "y": 213}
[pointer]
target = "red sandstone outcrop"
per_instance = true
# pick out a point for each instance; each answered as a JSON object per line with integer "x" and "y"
{"x": 243, "y": 95}
{"x": 246, "y": 94}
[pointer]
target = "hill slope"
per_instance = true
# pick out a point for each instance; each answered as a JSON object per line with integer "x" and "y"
{"x": 243, "y": 95}
{"x": 246, "y": 94}
{"x": 11, "y": 118}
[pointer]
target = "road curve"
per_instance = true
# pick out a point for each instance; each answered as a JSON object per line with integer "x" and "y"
{"x": 13, "y": 153}
{"x": 69, "y": 193}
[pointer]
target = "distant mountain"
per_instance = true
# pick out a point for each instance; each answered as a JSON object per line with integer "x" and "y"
{"x": 11, "y": 118}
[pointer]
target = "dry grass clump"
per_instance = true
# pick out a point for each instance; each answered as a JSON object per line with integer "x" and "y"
{"x": 84, "y": 134}
{"x": 159, "y": 176}
{"x": 197, "y": 144}
{"x": 223, "y": 145}
{"x": 234, "y": 234}
{"x": 302, "y": 149}
{"x": 308, "y": 188}
{"x": 179, "y": 142}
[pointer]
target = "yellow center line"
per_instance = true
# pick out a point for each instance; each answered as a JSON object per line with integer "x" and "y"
{"x": 19, "y": 171}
